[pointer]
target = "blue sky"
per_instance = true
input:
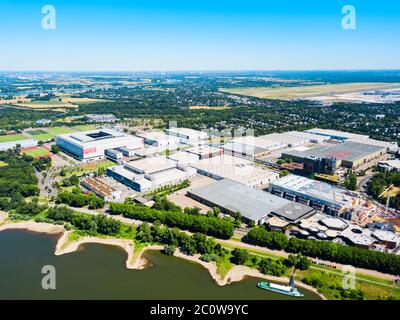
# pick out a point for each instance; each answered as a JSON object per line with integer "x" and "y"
{"x": 136, "y": 35}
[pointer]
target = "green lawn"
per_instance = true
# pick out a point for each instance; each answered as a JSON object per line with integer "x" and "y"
{"x": 50, "y": 133}
{"x": 12, "y": 137}
{"x": 37, "y": 152}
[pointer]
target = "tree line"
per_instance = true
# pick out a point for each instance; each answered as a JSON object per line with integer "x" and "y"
{"x": 358, "y": 257}
{"x": 212, "y": 226}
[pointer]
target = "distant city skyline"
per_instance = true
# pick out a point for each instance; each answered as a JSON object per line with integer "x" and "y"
{"x": 176, "y": 35}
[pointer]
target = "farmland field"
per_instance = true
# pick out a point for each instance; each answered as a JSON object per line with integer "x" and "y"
{"x": 12, "y": 137}
{"x": 37, "y": 152}
{"x": 306, "y": 92}
{"x": 208, "y": 107}
{"x": 45, "y": 104}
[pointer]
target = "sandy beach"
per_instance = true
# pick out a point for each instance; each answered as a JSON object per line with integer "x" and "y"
{"x": 136, "y": 260}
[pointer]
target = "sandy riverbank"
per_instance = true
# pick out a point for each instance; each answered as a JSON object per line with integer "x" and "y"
{"x": 238, "y": 273}
{"x": 136, "y": 260}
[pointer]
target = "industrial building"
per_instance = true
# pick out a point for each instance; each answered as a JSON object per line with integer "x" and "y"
{"x": 205, "y": 151}
{"x": 319, "y": 195}
{"x": 188, "y": 136}
{"x": 390, "y": 165}
{"x": 183, "y": 158}
{"x": 260, "y": 142}
{"x": 254, "y": 205}
{"x": 352, "y": 137}
{"x": 236, "y": 169}
{"x": 101, "y": 189}
{"x": 245, "y": 151}
{"x": 91, "y": 145}
{"x": 335, "y": 134}
{"x": 326, "y": 159}
{"x": 159, "y": 139}
{"x": 114, "y": 154}
{"x": 150, "y": 173}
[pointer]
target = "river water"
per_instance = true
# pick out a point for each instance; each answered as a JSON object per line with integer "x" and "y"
{"x": 98, "y": 272}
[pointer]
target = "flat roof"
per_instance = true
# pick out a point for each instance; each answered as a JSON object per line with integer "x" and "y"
{"x": 253, "y": 204}
{"x": 348, "y": 151}
{"x": 203, "y": 150}
{"x": 293, "y": 211}
{"x": 384, "y": 235}
{"x": 83, "y": 137}
{"x": 188, "y": 132}
{"x": 315, "y": 189}
{"x": 260, "y": 142}
{"x": 243, "y": 148}
{"x": 336, "y": 133}
{"x": 235, "y": 168}
{"x": 334, "y": 223}
{"x": 392, "y": 163}
{"x": 157, "y": 136}
{"x": 150, "y": 165}
{"x": 184, "y": 158}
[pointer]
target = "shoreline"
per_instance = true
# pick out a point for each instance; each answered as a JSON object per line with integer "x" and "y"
{"x": 136, "y": 260}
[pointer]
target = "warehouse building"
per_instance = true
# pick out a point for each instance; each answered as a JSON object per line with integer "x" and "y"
{"x": 188, "y": 136}
{"x": 91, "y": 145}
{"x": 101, "y": 189}
{"x": 352, "y": 137}
{"x": 390, "y": 165}
{"x": 159, "y": 139}
{"x": 335, "y": 134}
{"x": 326, "y": 159}
{"x": 260, "y": 142}
{"x": 205, "y": 151}
{"x": 245, "y": 151}
{"x": 147, "y": 174}
{"x": 183, "y": 158}
{"x": 236, "y": 169}
{"x": 319, "y": 195}
{"x": 254, "y": 205}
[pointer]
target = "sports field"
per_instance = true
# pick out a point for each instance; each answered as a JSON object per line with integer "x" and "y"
{"x": 306, "y": 92}
{"x": 37, "y": 152}
{"x": 50, "y": 133}
{"x": 12, "y": 137}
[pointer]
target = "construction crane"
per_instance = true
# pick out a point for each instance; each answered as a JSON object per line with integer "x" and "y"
{"x": 388, "y": 189}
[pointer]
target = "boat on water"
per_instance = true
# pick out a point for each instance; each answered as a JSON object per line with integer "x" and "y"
{"x": 289, "y": 290}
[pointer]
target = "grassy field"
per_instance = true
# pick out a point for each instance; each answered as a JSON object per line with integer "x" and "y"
{"x": 37, "y": 152}
{"x": 304, "y": 92}
{"x": 12, "y": 137}
{"x": 50, "y": 133}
